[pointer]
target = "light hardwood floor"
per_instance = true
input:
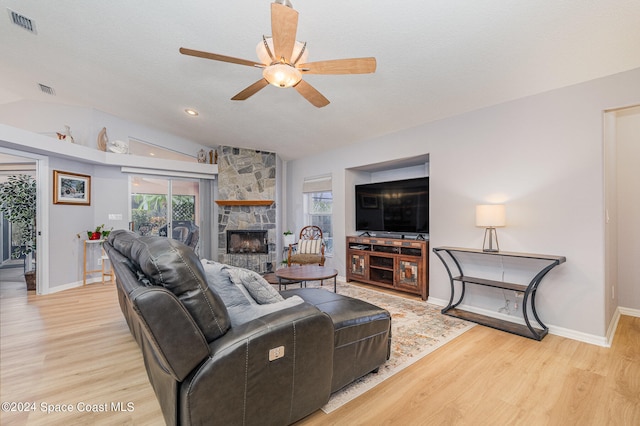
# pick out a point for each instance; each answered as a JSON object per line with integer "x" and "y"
{"x": 73, "y": 350}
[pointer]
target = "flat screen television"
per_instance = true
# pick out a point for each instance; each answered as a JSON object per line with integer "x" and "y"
{"x": 398, "y": 207}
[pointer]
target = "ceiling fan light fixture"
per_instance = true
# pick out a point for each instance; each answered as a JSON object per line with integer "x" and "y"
{"x": 264, "y": 52}
{"x": 282, "y": 75}
{"x": 284, "y": 61}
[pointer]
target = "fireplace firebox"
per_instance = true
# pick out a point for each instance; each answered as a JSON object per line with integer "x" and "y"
{"x": 242, "y": 241}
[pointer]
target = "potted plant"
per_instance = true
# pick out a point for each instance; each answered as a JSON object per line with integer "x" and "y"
{"x": 18, "y": 204}
{"x": 100, "y": 233}
{"x": 289, "y": 238}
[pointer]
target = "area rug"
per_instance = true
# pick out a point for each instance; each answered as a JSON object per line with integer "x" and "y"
{"x": 418, "y": 328}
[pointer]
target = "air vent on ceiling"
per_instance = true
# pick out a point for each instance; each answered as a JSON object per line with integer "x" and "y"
{"x": 46, "y": 89}
{"x": 22, "y": 21}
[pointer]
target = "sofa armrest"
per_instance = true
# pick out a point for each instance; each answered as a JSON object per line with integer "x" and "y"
{"x": 178, "y": 344}
{"x": 277, "y": 367}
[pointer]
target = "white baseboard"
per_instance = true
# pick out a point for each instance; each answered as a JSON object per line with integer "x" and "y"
{"x": 438, "y": 302}
{"x": 579, "y": 336}
{"x": 613, "y": 325}
{"x": 72, "y": 285}
{"x": 629, "y": 311}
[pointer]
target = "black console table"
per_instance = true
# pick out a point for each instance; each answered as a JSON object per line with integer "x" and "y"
{"x": 529, "y": 290}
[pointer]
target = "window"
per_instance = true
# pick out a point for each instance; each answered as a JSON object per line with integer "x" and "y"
{"x": 318, "y": 212}
{"x": 318, "y": 207}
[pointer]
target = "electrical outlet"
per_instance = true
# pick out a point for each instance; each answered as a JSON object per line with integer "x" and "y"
{"x": 613, "y": 292}
{"x": 99, "y": 261}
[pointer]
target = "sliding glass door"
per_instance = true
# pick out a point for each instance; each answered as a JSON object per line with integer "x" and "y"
{"x": 168, "y": 207}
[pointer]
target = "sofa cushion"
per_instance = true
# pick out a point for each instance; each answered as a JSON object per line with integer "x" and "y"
{"x": 176, "y": 267}
{"x": 243, "y": 314}
{"x": 362, "y": 333}
{"x": 121, "y": 240}
{"x": 259, "y": 289}
{"x": 219, "y": 280}
{"x": 229, "y": 282}
{"x": 309, "y": 246}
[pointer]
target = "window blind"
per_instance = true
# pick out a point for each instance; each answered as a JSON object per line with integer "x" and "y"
{"x": 317, "y": 184}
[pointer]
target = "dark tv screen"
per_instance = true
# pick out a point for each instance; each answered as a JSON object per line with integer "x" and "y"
{"x": 400, "y": 206}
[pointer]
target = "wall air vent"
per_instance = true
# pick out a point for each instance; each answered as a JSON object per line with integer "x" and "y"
{"x": 46, "y": 89}
{"x": 22, "y": 21}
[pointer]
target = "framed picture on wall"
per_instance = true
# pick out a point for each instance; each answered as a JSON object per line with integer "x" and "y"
{"x": 71, "y": 188}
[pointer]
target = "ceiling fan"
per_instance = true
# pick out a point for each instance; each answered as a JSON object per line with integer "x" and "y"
{"x": 283, "y": 59}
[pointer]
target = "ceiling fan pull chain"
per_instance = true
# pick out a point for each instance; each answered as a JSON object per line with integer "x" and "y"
{"x": 304, "y": 47}
{"x": 266, "y": 46}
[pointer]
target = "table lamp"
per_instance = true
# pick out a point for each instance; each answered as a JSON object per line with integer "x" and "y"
{"x": 490, "y": 216}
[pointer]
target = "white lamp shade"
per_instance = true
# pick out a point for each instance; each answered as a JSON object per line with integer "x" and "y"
{"x": 490, "y": 215}
{"x": 282, "y": 75}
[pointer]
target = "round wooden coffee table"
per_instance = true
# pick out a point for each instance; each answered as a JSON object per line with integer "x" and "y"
{"x": 272, "y": 279}
{"x": 303, "y": 273}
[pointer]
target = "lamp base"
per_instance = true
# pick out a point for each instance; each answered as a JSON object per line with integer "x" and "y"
{"x": 491, "y": 247}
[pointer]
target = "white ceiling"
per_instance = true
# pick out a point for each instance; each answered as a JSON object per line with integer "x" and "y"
{"x": 436, "y": 58}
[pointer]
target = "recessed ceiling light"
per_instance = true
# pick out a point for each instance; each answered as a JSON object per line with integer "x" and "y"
{"x": 191, "y": 112}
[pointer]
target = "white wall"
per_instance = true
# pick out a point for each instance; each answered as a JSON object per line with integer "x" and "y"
{"x": 628, "y": 203}
{"x": 109, "y": 194}
{"x": 541, "y": 156}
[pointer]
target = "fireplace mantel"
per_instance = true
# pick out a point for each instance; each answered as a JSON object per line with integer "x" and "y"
{"x": 244, "y": 202}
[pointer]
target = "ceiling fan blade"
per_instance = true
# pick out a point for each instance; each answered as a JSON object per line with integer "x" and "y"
{"x": 311, "y": 94}
{"x": 340, "y": 66}
{"x": 284, "y": 25}
{"x": 216, "y": 57}
{"x": 251, "y": 90}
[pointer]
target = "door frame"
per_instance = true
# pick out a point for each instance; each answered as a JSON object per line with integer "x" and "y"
{"x": 42, "y": 215}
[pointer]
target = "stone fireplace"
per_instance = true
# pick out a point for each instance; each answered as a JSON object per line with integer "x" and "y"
{"x": 246, "y": 193}
{"x": 247, "y": 241}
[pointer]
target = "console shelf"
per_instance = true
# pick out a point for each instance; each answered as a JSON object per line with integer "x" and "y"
{"x": 498, "y": 324}
{"x": 450, "y": 256}
{"x": 491, "y": 283}
{"x": 393, "y": 263}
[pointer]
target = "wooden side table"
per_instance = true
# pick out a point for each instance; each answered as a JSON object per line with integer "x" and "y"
{"x": 89, "y": 245}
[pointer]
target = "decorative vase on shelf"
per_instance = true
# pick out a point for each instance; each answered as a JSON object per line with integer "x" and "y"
{"x": 67, "y": 133}
{"x": 202, "y": 156}
{"x": 103, "y": 140}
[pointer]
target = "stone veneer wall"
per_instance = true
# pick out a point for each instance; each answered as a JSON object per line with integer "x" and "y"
{"x": 245, "y": 174}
